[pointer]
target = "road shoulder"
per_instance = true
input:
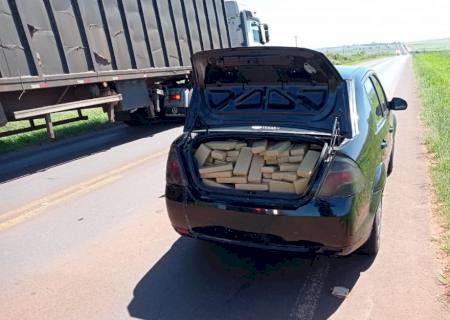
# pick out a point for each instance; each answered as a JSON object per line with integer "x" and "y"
{"x": 403, "y": 282}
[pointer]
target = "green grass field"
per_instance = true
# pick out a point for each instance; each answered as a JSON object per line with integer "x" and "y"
{"x": 430, "y": 45}
{"x": 97, "y": 119}
{"x": 433, "y": 75}
{"x": 340, "y": 59}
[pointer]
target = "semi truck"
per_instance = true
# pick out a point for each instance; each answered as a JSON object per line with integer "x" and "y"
{"x": 129, "y": 56}
{"x": 245, "y": 30}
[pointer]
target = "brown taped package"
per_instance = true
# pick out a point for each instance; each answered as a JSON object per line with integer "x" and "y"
{"x": 268, "y": 169}
{"x": 259, "y": 146}
{"x": 252, "y": 187}
{"x": 299, "y": 149}
{"x": 277, "y": 148}
{"x": 219, "y": 174}
{"x": 202, "y": 154}
{"x": 300, "y": 185}
{"x": 280, "y": 186}
{"x": 216, "y": 168}
{"x": 222, "y": 145}
{"x": 232, "y": 180}
{"x": 218, "y": 155}
{"x": 243, "y": 162}
{"x": 255, "y": 173}
{"x": 309, "y": 162}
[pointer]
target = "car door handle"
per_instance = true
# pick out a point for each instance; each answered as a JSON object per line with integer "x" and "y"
{"x": 384, "y": 144}
{"x": 391, "y": 129}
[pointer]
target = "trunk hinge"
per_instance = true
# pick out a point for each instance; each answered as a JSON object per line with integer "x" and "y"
{"x": 198, "y": 121}
{"x": 335, "y": 137}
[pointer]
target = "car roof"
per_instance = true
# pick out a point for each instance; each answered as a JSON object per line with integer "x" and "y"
{"x": 351, "y": 72}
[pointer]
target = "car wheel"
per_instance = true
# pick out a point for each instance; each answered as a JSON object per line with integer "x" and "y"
{"x": 372, "y": 244}
{"x": 391, "y": 163}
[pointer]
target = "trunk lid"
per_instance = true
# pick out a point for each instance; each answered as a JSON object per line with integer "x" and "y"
{"x": 270, "y": 86}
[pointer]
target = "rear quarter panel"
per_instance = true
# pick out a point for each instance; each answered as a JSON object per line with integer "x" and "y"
{"x": 365, "y": 149}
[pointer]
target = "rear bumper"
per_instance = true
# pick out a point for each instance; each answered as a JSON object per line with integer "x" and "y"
{"x": 175, "y": 111}
{"x": 306, "y": 229}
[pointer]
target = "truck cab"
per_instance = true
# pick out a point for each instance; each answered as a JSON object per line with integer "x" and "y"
{"x": 245, "y": 29}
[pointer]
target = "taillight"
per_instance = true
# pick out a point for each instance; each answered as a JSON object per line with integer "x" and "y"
{"x": 182, "y": 231}
{"x": 175, "y": 97}
{"x": 174, "y": 171}
{"x": 344, "y": 178}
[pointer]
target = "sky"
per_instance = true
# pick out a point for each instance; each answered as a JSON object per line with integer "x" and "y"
{"x": 326, "y": 23}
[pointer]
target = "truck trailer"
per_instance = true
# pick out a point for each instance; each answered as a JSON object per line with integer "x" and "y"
{"x": 60, "y": 55}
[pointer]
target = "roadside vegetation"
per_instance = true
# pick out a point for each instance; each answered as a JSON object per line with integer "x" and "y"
{"x": 430, "y": 45}
{"x": 359, "y": 53}
{"x": 97, "y": 119}
{"x": 433, "y": 75}
{"x": 360, "y": 57}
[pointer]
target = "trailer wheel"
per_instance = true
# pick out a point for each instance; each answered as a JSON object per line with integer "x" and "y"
{"x": 137, "y": 119}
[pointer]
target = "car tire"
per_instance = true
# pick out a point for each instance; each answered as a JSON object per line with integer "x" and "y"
{"x": 372, "y": 245}
{"x": 391, "y": 163}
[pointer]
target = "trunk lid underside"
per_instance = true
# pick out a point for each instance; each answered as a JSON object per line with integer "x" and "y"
{"x": 271, "y": 86}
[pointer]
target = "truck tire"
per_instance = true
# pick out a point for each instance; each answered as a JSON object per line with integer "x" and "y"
{"x": 137, "y": 119}
{"x": 372, "y": 245}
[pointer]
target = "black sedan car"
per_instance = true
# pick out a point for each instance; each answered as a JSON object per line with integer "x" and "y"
{"x": 282, "y": 150}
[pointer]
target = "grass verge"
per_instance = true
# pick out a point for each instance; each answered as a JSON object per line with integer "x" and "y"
{"x": 97, "y": 119}
{"x": 433, "y": 76}
{"x": 430, "y": 45}
{"x": 343, "y": 59}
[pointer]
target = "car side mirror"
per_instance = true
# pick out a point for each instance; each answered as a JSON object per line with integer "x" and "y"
{"x": 398, "y": 104}
{"x": 266, "y": 32}
{"x": 261, "y": 35}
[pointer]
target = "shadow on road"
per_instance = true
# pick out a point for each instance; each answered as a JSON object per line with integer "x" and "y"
{"x": 37, "y": 158}
{"x": 198, "y": 280}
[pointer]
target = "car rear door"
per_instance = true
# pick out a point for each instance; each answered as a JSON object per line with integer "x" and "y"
{"x": 387, "y": 116}
{"x": 381, "y": 124}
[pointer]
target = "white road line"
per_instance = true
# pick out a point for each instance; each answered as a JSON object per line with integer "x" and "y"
{"x": 309, "y": 295}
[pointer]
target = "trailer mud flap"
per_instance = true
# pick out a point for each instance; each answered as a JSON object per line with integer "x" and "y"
{"x": 134, "y": 94}
{"x": 3, "y": 119}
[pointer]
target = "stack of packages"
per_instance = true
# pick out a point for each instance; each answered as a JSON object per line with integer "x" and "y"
{"x": 261, "y": 166}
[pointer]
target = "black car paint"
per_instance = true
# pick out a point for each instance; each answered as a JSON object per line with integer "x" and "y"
{"x": 367, "y": 147}
{"x": 351, "y": 218}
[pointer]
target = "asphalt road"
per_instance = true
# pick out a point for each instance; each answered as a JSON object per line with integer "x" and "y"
{"x": 84, "y": 235}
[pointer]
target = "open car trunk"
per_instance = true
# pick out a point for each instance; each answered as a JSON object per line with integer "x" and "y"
{"x": 291, "y": 104}
{"x": 255, "y": 166}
